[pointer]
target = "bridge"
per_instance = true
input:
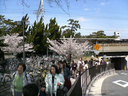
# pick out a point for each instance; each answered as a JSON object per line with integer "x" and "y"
{"x": 114, "y": 49}
{"x": 107, "y": 44}
{"x": 108, "y": 82}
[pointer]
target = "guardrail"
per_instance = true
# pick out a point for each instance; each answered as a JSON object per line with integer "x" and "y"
{"x": 81, "y": 84}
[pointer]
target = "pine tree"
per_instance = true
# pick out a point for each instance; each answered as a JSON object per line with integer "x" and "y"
{"x": 54, "y": 30}
{"x": 19, "y": 28}
{"x": 70, "y": 29}
{"x": 38, "y": 38}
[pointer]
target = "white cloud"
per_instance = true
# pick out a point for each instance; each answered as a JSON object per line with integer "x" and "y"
{"x": 86, "y": 9}
{"x": 102, "y": 3}
{"x": 82, "y": 19}
{"x": 96, "y": 9}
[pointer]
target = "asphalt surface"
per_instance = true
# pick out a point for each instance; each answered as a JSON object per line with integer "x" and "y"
{"x": 116, "y": 85}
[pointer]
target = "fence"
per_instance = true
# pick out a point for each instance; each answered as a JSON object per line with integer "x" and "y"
{"x": 82, "y": 82}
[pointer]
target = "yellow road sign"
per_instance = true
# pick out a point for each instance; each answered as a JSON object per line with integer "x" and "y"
{"x": 97, "y": 46}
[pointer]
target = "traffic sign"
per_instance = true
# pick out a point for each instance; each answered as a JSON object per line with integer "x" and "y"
{"x": 97, "y": 46}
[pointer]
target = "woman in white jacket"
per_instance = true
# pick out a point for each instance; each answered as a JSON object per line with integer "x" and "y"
{"x": 20, "y": 79}
{"x": 53, "y": 81}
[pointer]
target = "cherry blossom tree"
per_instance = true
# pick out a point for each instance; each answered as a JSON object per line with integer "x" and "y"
{"x": 14, "y": 44}
{"x": 69, "y": 47}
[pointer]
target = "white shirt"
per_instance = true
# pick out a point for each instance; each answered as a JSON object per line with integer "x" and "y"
{"x": 80, "y": 62}
{"x": 86, "y": 66}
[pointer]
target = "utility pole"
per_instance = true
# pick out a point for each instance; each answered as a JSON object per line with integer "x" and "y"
{"x": 23, "y": 23}
{"x": 23, "y": 43}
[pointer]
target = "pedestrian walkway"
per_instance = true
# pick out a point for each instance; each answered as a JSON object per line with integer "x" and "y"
{"x": 95, "y": 89}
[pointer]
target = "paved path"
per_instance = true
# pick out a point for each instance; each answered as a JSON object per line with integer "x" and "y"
{"x": 116, "y": 85}
{"x": 111, "y": 85}
{"x": 96, "y": 88}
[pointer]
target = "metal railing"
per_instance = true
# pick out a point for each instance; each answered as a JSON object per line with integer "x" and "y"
{"x": 81, "y": 84}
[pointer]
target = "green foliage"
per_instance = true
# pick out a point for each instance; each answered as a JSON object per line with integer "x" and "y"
{"x": 39, "y": 32}
{"x": 73, "y": 24}
{"x": 99, "y": 34}
{"x": 78, "y": 35}
{"x": 6, "y": 26}
{"x": 19, "y": 28}
{"x": 67, "y": 33}
{"x": 53, "y": 29}
{"x": 71, "y": 28}
{"x": 38, "y": 38}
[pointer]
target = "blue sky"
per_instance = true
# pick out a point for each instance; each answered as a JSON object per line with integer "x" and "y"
{"x": 94, "y": 15}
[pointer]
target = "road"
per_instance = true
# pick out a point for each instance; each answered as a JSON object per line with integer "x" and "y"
{"x": 116, "y": 85}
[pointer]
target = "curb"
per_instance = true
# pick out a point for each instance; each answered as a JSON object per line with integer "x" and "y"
{"x": 105, "y": 73}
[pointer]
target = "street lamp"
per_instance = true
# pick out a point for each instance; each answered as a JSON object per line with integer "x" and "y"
{"x": 23, "y": 23}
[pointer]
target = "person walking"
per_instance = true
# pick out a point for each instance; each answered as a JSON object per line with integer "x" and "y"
{"x": 74, "y": 69}
{"x": 64, "y": 70}
{"x": 67, "y": 74}
{"x": 54, "y": 81}
{"x": 20, "y": 79}
{"x": 86, "y": 65}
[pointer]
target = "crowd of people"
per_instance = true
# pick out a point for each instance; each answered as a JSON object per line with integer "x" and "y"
{"x": 81, "y": 66}
{"x": 57, "y": 79}
{"x": 57, "y": 82}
